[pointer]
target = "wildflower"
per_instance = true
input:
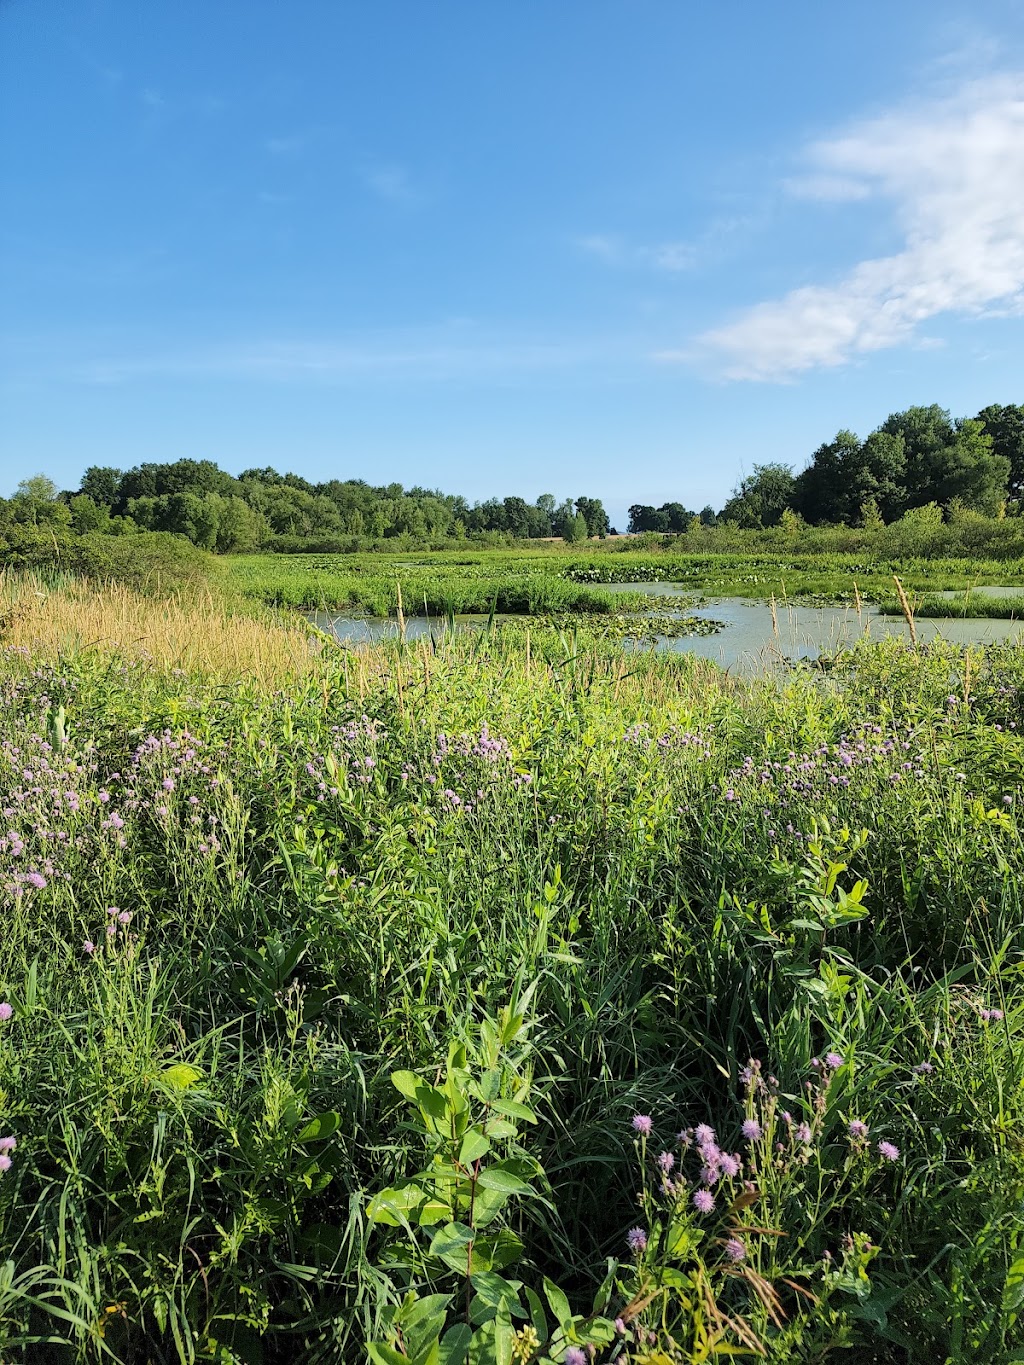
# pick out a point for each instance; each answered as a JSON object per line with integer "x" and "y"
{"x": 704, "y": 1134}
{"x": 36, "y": 879}
{"x": 803, "y": 1133}
{"x": 642, "y": 1124}
{"x": 751, "y": 1130}
{"x": 637, "y": 1239}
{"x": 858, "y": 1129}
{"x": 575, "y": 1355}
{"x": 834, "y": 1061}
{"x": 735, "y": 1250}
{"x": 5, "y": 1162}
{"x": 704, "y": 1201}
{"x": 888, "y": 1151}
{"x": 730, "y": 1165}
{"x": 168, "y": 784}
{"x": 88, "y": 947}
{"x": 125, "y": 917}
{"x": 8, "y": 1144}
{"x": 620, "y": 1327}
{"x": 666, "y": 1161}
{"x": 995, "y": 1014}
{"x": 6, "y": 1010}
{"x": 924, "y": 1068}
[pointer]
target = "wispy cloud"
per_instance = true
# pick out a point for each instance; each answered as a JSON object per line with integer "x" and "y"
{"x": 953, "y": 167}
{"x": 435, "y": 354}
{"x": 614, "y": 251}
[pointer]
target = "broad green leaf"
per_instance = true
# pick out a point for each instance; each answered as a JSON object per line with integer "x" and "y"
{"x": 319, "y": 1128}
{"x": 474, "y": 1146}
{"x": 451, "y": 1244}
{"x": 382, "y": 1354}
{"x": 455, "y": 1344}
{"x": 514, "y": 1110}
{"x": 394, "y": 1206}
{"x": 406, "y": 1083}
{"x": 559, "y": 1305}
{"x": 494, "y": 1178}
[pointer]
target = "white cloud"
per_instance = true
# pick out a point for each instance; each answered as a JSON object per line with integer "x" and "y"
{"x": 954, "y": 169}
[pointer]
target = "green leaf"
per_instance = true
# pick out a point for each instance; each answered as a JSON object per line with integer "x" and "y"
{"x": 393, "y": 1207}
{"x": 382, "y": 1354}
{"x": 320, "y": 1128}
{"x": 474, "y": 1146}
{"x": 451, "y": 1245}
{"x": 514, "y": 1110}
{"x": 455, "y": 1344}
{"x": 504, "y": 1182}
{"x": 494, "y": 1289}
{"x": 559, "y": 1305}
{"x": 537, "y": 1315}
{"x": 406, "y": 1083}
{"x": 180, "y": 1076}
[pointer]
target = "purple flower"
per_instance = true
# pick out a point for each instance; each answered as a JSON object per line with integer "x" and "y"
{"x": 666, "y": 1161}
{"x": 924, "y": 1068}
{"x": 125, "y": 917}
{"x": 642, "y": 1124}
{"x": 5, "y": 1162}
{"x": 730, "y": 1165}
{"x": 751, "y": 1130}
{"x": 8, "y": 1144}
{"x": 37, "y": 880}
{"x": 704, "y": 1134}
{"x": 834, "y": 1061}
{"x": 735, "y": 1250}
{"x": 6, "y": 1010}
{"x": 803, "y": 1133}
{"x": 995, "y": 1014}
{"x": 858, "y": 1129}
{"x": 575, "y": 1355}
{"x": 704, "y": 1201}
{"x": 88, "y": 946}
{"x": 620, "y": 1327}
{"x": 888, "y": 1151}
{"x": 637, "y": 1239}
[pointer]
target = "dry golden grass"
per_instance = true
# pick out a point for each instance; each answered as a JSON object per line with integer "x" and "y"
{"x": 197, "y": 633}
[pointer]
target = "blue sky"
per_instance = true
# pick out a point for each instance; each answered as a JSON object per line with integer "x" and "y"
{"x": 617, "y": 247}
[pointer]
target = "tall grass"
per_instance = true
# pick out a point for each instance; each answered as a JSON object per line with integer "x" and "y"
{"x": 237, "y": 901}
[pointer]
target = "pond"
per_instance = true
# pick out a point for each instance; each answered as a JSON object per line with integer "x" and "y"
{"x": 749, "y": 639}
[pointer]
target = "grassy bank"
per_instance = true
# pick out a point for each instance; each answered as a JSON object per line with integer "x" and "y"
{"x": 416, "y": 970}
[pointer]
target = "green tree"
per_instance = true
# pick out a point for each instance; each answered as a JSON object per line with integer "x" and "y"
{"x": 761, "y": 498}
{"x": 1005, "y": 425}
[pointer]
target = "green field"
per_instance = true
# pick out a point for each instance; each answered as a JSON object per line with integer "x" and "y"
{"x": 339, "y": 1001}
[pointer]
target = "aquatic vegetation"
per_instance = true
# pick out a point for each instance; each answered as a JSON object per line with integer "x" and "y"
{"x": 506, "y": 988}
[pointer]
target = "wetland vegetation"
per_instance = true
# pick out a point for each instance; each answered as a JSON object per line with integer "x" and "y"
{"x": 502, "y": 994}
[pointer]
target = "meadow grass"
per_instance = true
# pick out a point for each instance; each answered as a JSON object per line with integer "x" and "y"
{"x": 588, "y": 903}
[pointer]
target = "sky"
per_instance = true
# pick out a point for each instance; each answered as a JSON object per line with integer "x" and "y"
{"x": 621, "y": 248}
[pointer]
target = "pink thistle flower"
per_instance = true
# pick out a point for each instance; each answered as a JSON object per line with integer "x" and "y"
{"x": 620, "y": 1327}
{"x": 8, "y": 1144}
{"x": 704, "y": 1134}
{"x": 88, "y": 947}
{"x": 575, "y": 1355}
{"x": 6, "y": 1010}
{"x": 834, "y": 1061}
{"x": 666, "y": 1161}
{"x": 642, "y": 1124}
{"x": 704, "y": 1201}
{"x": 730, "y": 1165}
{"x": 888, "y": 1151}
{"x": 637, "y": 1240}
{"x": 858, "y": 1129}
{"x": 751, "y": 1130}
{"x": 5, "y": 1162}
{"x": 735, "y": 1250}
{"x": 924, "y": 1068}
{"x": 804, "y": 1132}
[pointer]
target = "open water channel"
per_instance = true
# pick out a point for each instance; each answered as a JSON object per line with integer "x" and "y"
{"x": 749, "y": 638}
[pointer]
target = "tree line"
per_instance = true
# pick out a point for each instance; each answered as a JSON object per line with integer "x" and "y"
{"x": 917, "y": 458}
{"x": 262, "y": 508}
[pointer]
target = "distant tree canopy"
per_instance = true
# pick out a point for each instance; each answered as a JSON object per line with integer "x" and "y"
{"x": 217, "y": 511}
{"x": 915, "y": 458}
{"x": 918, "y": 459}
